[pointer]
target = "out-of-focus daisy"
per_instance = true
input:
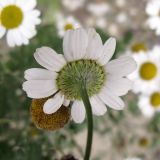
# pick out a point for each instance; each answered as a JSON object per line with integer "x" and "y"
{"x": 153, "y": 10}
{"x": 133, "y": 158}
{"x": 98, "y": 9}
{"x": 18, "y": 20}
{"x": 150, "y": 103}
{"x": 85, "y": 62}
{"x": 66, "y": 23}
{"x": 122, "y": 17}
{"x": 100, "y": 22}
{"x": 147, "y": 76}
{"x": 73, "y": 4}
{"x": 143, "y": 141}
{"x": 120, "y": 3}
{"x": 138, "y": 47}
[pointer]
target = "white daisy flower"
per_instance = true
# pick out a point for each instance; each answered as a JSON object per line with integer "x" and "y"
{"x": 85, "y": 59}
{"x": 153, "y": 11}
{"x": 18, "y": 19}
{"x": 72, "y": 5}
{"x": 149, "y": 104}
{"x": 147, "y": 75}
{"x": 66, "y": 23}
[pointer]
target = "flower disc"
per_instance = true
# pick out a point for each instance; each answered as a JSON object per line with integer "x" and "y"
{"x": 77, "y": 72}
{"x": 50, "y": 122}
{"x": 11, "y": 16}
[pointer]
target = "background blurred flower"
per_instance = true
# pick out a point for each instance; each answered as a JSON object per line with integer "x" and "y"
{"x": 133, "y": 158}
{"x": 73, "y": 4}
{"x": 147, "y": 76}
{"x": 149, "y": 104}
{"x": 153, "y": 11}
{"x": 65, "y": 23}
{"x": 98, "y": 9}
{"x": 18, "y": 20}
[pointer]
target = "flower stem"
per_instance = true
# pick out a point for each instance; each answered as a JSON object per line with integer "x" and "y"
{"x": 88, "y": 108}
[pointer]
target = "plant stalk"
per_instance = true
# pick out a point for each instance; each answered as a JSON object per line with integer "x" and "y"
{"x": 88, "y": 108}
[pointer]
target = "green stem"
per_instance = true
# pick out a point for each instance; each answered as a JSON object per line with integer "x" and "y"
{"x": 88, "y": 108}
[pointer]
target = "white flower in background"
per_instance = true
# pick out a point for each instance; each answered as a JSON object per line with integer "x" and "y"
{"x": 147, "y": 76}
{"x": 121, "y": 3}
{"x": 122, "y": 17}
{"x": 72, "y": 5}
{"x": 66, "y": 23}
{"x": 18, "y": 20}
{"x": 133, "y": 158}
{"x": 85, "y": 60}
{"x": 98, "y": 9}
{"x": 153, "y": 11}
{"x": 149, "y": 104}
{"x": 100, "y": 22}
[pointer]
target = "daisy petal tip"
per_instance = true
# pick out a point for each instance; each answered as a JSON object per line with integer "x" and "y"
{"x": 46, "y": 111}
{"x": 121, "y": 107}
{"x": 133, "y": 64}
{"x": 24, "y": 86}
{"x": 78, "y": 121}
{"x": 112, "y": 40}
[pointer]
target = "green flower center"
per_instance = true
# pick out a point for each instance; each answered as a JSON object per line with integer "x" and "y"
{"x": 148, "y": 71}
{"x": 73, "y": 74}
{"x": 155, "y": 100}
{"x": 68, "y": 26}
{"x": 11, "y": 16}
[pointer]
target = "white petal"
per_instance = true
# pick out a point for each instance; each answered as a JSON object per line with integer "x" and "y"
{"x": 98, "y": 107}
{"x": 27, "y": 31}
{"x": 67, "y": 45}
{"x": 39, "y": 74}
{"x": 10, "y": 39}
{"x": 111, "y": 100}
{"x": 66, "y": 102}
{"x": 75, "y": 44}
{"x": 2, "y": 31}
{"x": 94, "y": 44}
{"x": 26, "y": 5}
{"x": 53, "y": 104}
{"x": 39, "y": 88}
{"x": 40, "y": 94}
{"x": 3, "y": 3}
{"x": 153, "y": 8}
{"x": 119, "y": 86}
{"x": 107, "y": 51}
{"x": 32, "y": 17}
{"x": 17, "y": 37}
{"x": 49, "y": 59}
{"x": 121, "y": 66}
{"x": 78, "y": 111}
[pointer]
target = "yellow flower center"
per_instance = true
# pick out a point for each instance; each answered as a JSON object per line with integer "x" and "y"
{"x": 148, "y": 71}
{"x": 137, "y": 47}
{"x": 143, "y": 142}
{"x": 68, "y": 26}
{"x": 11, "y": 16}
{"x": 155, "y": 100}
